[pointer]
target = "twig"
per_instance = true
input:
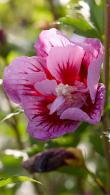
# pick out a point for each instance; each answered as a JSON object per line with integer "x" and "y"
{"x": 14, "y": 124}
{"x": 36, "y": 185}
{"x": 80, "y": 185}
{"x": 97, "y": 180}
{"x": 16, "y": 130}
{"x": 106, "y": 77}
{"x": 107, "y": 49}
{"x": 53, "y": 10}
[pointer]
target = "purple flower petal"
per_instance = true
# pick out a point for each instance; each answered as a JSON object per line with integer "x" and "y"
{"x": 20, "y": 76}
{"x": 46, "y": 87}
{"x": 88, "y": 43}
{"x": 94, "y": 76}
{"x": 58, "y": 102}
{"x": 48, "y": 39}
{"x": 94, "y": 110}
{"x": 94, "y": 47}
{"x": 42, "y": 125}
{"x": 60, "y": 88}
{"x": 47, "y": 131}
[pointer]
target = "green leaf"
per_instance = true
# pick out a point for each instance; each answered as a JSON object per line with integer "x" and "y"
{"x": 35, "y": 149}
{"x": 15, "y": 179}
{"x": 10, "y": 115}
{"x": 80, "y": 25}
{"x": 97, "y": 14}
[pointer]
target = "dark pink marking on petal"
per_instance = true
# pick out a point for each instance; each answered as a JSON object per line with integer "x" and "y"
{"x": 92, "y": 61}
{"x": 42, "y": 125}
{"x": 91, "y": 113}
{"x": 94, "y": 110}
{"x": 64, "y": 63}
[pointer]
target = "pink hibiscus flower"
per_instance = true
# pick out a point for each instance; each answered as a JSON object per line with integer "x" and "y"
{"x": 60, "y": 87}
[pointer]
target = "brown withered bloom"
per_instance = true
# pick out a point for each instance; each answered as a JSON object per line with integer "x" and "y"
{"x": 53, "y": 159}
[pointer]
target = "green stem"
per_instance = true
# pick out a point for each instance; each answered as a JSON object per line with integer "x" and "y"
{"x": 96, "y": 180}
{"x": 80, "y": 185}
{"x": 18, "y": 136}
{"x": 14, "y": 124}
{"x": 37, "y": 187}
{"x": 107, "y": 49}
{"x": 105, "y": 119}
{"x": 53, "y": 10}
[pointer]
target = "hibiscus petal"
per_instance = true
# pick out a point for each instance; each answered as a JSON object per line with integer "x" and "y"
{"x": 94, "y": 70}
{"x": 42, "y": 125}
{"x": 94, "y": 114}
{"x": 64, "y": 63}
{"x": 96, "y": 109}
{"x": 93, "y": 63}
{"x": 46, "y": 87}
{"x": 58, "y": 102}
{"x": 75, "y": 114}
{"x": 92, "y": 44}
{"x": 77, "y": 38}
{"x": 47, "y": 131}
{"x": 96, "y": 45}
{"x": 48, "y": 39}
{"x": 20, "y": 76}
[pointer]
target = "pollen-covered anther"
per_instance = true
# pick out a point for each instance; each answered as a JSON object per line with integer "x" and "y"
{"x": 72, "y": 94}
{"x": 64, "y": 90}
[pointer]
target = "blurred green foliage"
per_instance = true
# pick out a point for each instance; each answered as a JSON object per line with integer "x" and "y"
{"x": 22, "y": 21}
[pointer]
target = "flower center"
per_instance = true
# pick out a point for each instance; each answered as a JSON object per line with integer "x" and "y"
{"x": 74, "y": 95}
{"x": 65, "y": 90}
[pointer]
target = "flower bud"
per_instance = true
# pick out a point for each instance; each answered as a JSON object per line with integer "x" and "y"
{"x": 53, "y": 159}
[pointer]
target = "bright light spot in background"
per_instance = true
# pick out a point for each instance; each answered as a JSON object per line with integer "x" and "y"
{"x": 1, "y": 165}
{"x": 69, "y": 184}
{"x": 19, "y": 41}
{"x": 61, "y": 2}
{"x": 85, "y": 148}
{"x": 91, "y": 166}
{"x": 1, "y": 81}
{"x": 16, "y": 153}
{"x": 98, "y": 2}
{"x": 79, "y": 8}
{"x": 85, "y": 10}
{"x": 4, "y": 1}
{"x": 26, "y": 188}
{"x": 64, "y": 2}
